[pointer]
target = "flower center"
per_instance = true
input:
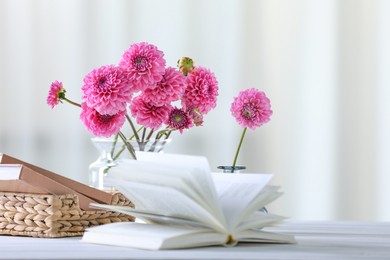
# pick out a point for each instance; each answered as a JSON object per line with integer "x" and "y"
{"x": 249, "y": 111}
{"x": 140, "y": 63}
{"x": 178, "y": 118}
{"x": 102, "y": 83}
{"x": 104, "y": 119}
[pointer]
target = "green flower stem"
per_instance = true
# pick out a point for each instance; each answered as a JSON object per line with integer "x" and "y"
{"x": 139, "y": 129}
{"x": 71, "y": 102}
{"x": 133, "y": 128}
{"x": 238, "y": 148}
{"x": 165, "y": 132}
{"x": 114, "y": 144}
{"x": 128, "y": 145}
{"x": 150, "y": 134}
{"x": 113, "y": 148}
{"x": 124, "y": 145}
{"x": 168, "y": 134}
{"x": 143, "y": 135}
{"x": 119, "y": 152}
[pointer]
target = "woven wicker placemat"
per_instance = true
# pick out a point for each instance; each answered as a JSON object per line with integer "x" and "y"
{"x": 39, "y": 215}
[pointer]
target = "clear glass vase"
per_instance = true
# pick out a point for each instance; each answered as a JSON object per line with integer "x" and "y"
{"x": 111, "y": 152}
{"x": 231, "y": 169}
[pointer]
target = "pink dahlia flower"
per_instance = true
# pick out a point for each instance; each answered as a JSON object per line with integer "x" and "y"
{"x": 101, "y": 124}
{"x": 107, "y": 90}
{"x": 201, "y": 91}
{"x": 144, "y": 65}
{"x": 179, "y": 120}
{"x": 147, "y": 114}
{"x": 169, "y": 89}
{"x": 251, "y": 108}
{"x": 56, "y": 93}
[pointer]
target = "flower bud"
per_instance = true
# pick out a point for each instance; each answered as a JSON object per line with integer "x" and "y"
{"x": 195, "y": 114}
{"x": 186, "y": 65}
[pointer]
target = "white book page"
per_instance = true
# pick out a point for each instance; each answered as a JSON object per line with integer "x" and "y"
{"x": 236, "y": 192}
{"x": 257, "y": 220}
{"x": 266, "y": 196}
{"x": 152, "y": 217}
{"x": 155, "y": 174}
{"x": 10, "y": 171}
{"x": 263, "y": 236}
{"x": 189, "y": 174}
{"x": 151, "y": 237}
{"x": 174, "y": 159}
{"x": 168, "y": 201}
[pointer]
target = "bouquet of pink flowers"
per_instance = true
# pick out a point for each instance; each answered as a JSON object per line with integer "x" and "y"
{"x": 143, "y": 85}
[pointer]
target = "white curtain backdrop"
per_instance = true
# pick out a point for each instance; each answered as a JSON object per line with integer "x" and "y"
{"x": 323, "y": 63}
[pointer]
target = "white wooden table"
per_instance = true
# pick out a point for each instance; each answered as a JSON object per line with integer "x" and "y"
{"x": 316, "y": 240}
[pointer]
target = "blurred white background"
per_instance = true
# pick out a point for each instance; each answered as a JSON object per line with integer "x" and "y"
{"x": 323, "y": 63}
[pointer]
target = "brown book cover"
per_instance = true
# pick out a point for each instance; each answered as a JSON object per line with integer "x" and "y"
{"x": 20, "y": 178}
{"x": 20, "y": 186}
{"x": 92, "y": 193}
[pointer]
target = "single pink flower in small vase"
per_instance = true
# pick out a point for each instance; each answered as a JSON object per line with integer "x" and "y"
{"x": 251, "y": 108}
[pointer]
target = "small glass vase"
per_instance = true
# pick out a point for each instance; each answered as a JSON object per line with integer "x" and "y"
{"x": 232, "y": 169}
{"x": 112, "y": 151}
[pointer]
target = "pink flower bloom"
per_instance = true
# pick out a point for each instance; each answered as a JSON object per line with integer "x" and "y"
{"x": 201, "y": 90}
{"x": 251, "y": 108}
{"x": 106, "y": 89}
{"x": 56, "y": 92}
{"x": 179, "y": 120}
{"x": 144, "y": 65}
{"x": 169, "y": 89}
{"x": 100, "y": 124}
{"x": 147, "y": 114}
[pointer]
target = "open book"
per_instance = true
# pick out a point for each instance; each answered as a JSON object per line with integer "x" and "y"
{"x": 182, "y": 205}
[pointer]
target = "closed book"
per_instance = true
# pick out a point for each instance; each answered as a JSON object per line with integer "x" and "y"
{"x": 95, "y": 194}
{"x": 20, "y": 178}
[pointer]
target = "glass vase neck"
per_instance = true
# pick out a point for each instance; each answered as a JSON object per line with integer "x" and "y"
{"x": 232, "y": 169}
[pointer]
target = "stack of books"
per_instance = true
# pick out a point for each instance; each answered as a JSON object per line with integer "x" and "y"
{"x": 39, "y": 203}
{"x": 19, "y": 176}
